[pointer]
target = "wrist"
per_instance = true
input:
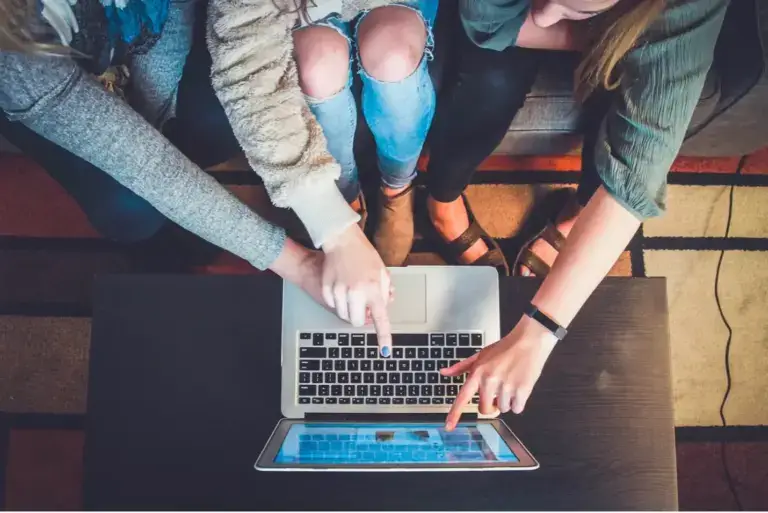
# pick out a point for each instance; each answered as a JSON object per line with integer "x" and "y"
{"x": 291, "y": 262}
{"x": 340, "y": 238}
{"x": 531, "y": 329}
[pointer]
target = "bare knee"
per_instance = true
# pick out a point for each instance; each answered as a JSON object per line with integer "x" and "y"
{"x": 322, "y": 57}
{"x": 391, "y": 41}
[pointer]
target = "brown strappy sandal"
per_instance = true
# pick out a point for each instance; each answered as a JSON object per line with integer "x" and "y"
{"x": 544, "y": 227}
{"x": 452, "y": 251}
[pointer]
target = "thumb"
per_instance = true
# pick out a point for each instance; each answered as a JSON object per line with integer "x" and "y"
{"x": 460, "y": 368}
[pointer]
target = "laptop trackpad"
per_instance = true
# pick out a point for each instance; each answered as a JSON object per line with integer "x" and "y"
{"x": 410, "y": 304}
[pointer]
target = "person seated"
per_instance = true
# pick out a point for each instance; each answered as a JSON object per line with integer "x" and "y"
{"x": 643, "y": 69}
{"x": 283, "y": 74}
{"x": 44, "y": 89}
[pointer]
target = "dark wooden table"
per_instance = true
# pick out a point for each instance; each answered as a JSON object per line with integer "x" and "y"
{"x": 184, "y": 392}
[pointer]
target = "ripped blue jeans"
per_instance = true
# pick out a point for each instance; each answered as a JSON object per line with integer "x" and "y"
{"x": 398, "y": 113}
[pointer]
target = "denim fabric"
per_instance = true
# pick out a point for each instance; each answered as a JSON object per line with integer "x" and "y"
{"x": 398, "y": 113}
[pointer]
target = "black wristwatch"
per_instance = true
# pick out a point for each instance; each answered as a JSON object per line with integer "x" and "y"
{"x": 534, "y": 313}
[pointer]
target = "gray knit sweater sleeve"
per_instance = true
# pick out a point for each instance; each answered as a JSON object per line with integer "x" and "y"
{"x": 54, "y": 98}
{"x": 661, "y": 84}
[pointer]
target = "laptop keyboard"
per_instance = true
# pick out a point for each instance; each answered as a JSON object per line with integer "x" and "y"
{"x": 345, "y": 368}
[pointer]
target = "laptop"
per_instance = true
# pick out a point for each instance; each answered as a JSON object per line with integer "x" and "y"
{"x": 347, "y": 408}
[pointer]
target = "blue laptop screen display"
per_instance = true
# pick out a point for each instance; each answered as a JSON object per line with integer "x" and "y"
{"x": 377, "y": 444}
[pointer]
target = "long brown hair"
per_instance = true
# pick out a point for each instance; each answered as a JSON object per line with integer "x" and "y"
{"x": 22, "y": 31}
{"x": 598, "y": 67}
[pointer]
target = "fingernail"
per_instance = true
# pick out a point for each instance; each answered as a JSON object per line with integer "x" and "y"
{"x": 526, "y": 272}
{"x": 385, "y": 351}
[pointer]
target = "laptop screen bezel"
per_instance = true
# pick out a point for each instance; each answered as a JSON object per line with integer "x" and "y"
{"x": 266, "y": 460}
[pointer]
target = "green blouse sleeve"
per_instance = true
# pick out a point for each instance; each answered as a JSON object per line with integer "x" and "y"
{"x": 662, "y": 81}
{"x": 493, "y": 24}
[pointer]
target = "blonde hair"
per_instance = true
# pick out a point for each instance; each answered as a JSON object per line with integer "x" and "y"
{"x": 624, "y": 26}
{"x": 21, "y": 30}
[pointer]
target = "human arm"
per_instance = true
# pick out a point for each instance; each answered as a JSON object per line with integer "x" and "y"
{"x": 637, "y": 144}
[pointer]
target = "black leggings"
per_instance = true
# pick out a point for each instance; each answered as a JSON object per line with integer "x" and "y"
{"x": 487, "y": 89}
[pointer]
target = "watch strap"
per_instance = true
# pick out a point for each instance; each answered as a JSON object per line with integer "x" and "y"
{"x": 557, "y": 330}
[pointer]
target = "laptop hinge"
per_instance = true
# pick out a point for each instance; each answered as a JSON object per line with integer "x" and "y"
{"x": 385, "y": 417}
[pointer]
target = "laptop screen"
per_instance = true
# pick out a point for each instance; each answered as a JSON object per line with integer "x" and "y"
{"x": 382, "y": 443}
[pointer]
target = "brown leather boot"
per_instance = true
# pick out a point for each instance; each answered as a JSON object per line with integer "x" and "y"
{"x": 393, "y": 238}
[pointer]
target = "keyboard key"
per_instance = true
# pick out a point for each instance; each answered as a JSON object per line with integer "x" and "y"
{"x": 439, "y": 390}
{"x": 450, "y": 400}
{"x": 477, "y": 339}
{"x": 417, "y": 365}
{"x": 464, "y": 352}
{"x": 307, "y": 390}
{"x": 384, "y": 400}
{"x": 438, "y": 400}
{"x": 330, "y": 400}
{"x": 421, "y": 377}
{"x": 464, "y": 339}
{"x": 359, "y": 353}
{"x": 330, "y": 336}
{"x": 410, "y": 352}
{"x": 344, "y": 400}
{"x": 375, "y": 390}
{"x": 333, "y": 352}
{"x": 369, "y": 377}
{"x": 358, "y": 400}
{"x": 312, "y": 352}
{"x": 352, "y": 365}
{"x": 403, "y": 365}
{"x": 398, "y": 352}
{"x": 445, "y": 379}
{"x": 442, "y": 364}
{"x": 451, "y": 339}
{"x": 424, "y": 400}
{"x": 378, "y": 365}
{"x": 309, "y": 365}
{"x": 401, "y": 390}
{"x": 304, "y": 400}
{"x": 429, "y": 365}
{"x": 398, "y": 400}
{"x": 356, "y": 377}
{"x": 340, "y": 365}
{"x": 413, "y": 390}
{"x": 349, "y": 390}
{"x": 437, "y": 339}
{"x": 342, "y": 377}
{"x": 370, "y": 400}
{"x": 410, "y": 339}
{"x": 453, "y": 390}
{"x": 336, "y": 390}
{"x": 394, "y": 377}
{"x": 372, "y": 339}
{"x": 459, "y": 378}
{"x": 426, "y": 390}
{"x": 453, "y": 362}
{"x": 327, "y": 365}
{"x": 346, "y": 352}
{"x": 475, "y": 400}
{"x": 330, "y": 377}
{"x": 304, "y": 377}
{"x": 324, "y": 390}
{"x": 317, "y": 377}
{"x": 317, "y": 400}
{"x": 388, "y": 390}
{"x": 343, "y": 339}
{"x": 435, "y": 353}
{"x": 362, "y": 390}
{"x": 407, "y": 377}
{"x": 365, "y": 365}
{"x": 371, "y": 353}
{"x": 358, "y": 339}
{"x": 432, "y": 377}
{"x": 317, "y": 339}
{"x": 449, "y": 353}
{"x": 391, "y": 365}
{"x": 305, "y": 336}
{"x": 423, "y": 353}
{"x": 381, "y": 377}
{"x": 411, "y": 400}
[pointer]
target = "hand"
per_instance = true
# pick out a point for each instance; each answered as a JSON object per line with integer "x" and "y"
{"x": 355, "y": 281}
{"x": 503, "y": 373}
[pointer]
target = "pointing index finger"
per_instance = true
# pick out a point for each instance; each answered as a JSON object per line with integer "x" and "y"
{"x": 380, "y": 318}
{"x": 465, "y": 395}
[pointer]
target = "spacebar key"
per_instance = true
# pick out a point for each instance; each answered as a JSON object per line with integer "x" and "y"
{"x": 410, "y": 339}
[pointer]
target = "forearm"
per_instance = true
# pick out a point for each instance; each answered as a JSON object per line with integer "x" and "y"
{"x": 599, "y": 236}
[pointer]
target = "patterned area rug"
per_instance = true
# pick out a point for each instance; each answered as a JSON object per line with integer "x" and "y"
{"x": 49, "y": 255}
